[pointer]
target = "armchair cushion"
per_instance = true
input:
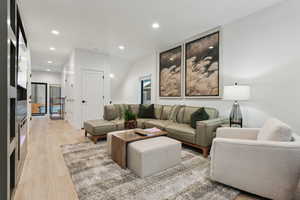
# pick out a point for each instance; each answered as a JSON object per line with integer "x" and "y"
{"x": 275, "y": 130}
{"x": 238, "y": 133}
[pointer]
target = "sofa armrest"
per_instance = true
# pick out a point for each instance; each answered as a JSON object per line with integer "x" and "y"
{"x": 206, "y": 131}
{"x": 269, "y": 169}
{"x": 238, "y": 133}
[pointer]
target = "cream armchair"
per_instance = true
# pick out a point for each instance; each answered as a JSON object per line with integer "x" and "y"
{"x": 267, "y": 168}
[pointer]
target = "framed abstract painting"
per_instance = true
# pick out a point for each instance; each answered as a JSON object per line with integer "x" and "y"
{"x": 170, "y": 69}
{"x": 202, "y": 73}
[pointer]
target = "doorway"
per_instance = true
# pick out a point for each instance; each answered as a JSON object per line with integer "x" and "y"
{"x": 92, "y": 95}
{"x": 38, "y": 98}
{"x": 56, "y": 102}
{"x": 146, "y": 91}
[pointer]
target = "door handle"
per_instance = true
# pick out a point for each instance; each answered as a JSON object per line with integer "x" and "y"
{"x": 83, "y": 101}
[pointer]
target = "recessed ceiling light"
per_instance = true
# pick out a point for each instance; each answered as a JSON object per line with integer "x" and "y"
{"x": 111, "y": 75}
{"x": 211, "y": 47}
{"x": 50, "y": 62}
{"x": 52, "y": 48}
{"x": 55, "y": 32}
{"x": 48, "y": 70}
{"x": 121, "y": 47}
{"x": 155, "y": 25}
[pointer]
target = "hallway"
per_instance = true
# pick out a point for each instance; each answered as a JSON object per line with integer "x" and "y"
{"x": 45, "y": 176}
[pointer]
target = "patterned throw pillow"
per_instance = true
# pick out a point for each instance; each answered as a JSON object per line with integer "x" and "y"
{"x": 199, "y": 115}
{"x": 158, "y": 111}
{"x": 173, "y": 112}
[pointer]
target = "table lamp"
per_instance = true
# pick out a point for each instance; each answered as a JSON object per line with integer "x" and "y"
{"x": 236, "y": 93}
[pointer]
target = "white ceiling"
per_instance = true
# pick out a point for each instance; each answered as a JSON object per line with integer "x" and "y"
{"x": 106, "y": 24}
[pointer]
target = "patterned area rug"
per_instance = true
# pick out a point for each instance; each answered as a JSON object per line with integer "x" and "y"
{"x": 97, "y": 177}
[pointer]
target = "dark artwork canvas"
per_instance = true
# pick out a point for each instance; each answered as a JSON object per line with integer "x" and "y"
{"x": 170, "y": 73}
{"x": 202, "y": 67}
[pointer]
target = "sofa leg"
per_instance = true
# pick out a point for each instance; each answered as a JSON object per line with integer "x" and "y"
{"x": 205, "y": 151}
{"x": 94, "y": 139}
{"x": 85, "y": 133}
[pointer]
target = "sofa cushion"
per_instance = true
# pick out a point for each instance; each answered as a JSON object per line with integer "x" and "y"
{"x": 212, "y": 112}
{"x": 173, "y": 112}
{"x": 161, "y": 124}
{"x": 275, "y": 130}
{"x": 180, "y": 115}
{"x": 146, "y": 111}
{"x": 141, "y": 122}
{"x": 199, "y": 115}
{"x": 158, "y": 111}
{"x": 188, "y": 111}
{"x": 121, "y": 110}
{"x": 110, "y": 112}
{"x": 119, "y": 123}
{"x": 166, "y": 112}
{"x": 134, "y": 108}
{"x": 99, "y": 127}
{"x": 181, "y": 132}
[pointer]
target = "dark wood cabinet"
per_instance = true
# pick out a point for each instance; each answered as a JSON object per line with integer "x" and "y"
{"x": 9, "y": 125}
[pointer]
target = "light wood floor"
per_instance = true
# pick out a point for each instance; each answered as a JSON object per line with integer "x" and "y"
{"x": 45, "y": 175}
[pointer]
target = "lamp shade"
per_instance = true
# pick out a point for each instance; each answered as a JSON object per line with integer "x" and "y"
{"x": 237, "y": 92}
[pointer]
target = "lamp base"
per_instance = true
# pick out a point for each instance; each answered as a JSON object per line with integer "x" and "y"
{"x": 236, "y": 117}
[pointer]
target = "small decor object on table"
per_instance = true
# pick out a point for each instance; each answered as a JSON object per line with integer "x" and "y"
{"x": 130, "y": 120}
{"x": 236, "y": 93}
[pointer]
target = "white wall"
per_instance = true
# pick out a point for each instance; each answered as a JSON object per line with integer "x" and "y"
{"x": 79, "y": 60}
{"x": 51, "y": 78}
{"x": 46, "y": 77}
{"x": 261, "y": 50}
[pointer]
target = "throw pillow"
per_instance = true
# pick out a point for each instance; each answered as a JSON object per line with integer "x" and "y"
{"x": 165, "y": 112}
{"x": 110, "y": 112}
{"x": 146, "y": 111}
{"x": 174, "y": 112}
{"x": 158, "y": 111}
{"x": 275, "y": 130}
{"x": 199, "y": 115}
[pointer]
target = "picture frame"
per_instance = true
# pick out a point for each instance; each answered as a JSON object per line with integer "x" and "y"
{"x": 170, "y": 72}
{"x": 202, "y": 66}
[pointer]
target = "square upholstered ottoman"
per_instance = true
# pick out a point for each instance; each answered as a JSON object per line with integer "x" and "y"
{"x": 147, "y": 157}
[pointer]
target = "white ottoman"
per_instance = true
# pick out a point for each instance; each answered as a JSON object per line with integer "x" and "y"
{"x": 147, "y": 157}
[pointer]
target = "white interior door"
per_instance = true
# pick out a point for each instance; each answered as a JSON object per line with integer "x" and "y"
{"x": 92, "y": 95}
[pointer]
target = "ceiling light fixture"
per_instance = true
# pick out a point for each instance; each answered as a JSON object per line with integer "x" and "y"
{"x": 55, "y": 32}
{"x": 211, "y": 47}
{"x": 50, "y": 62}
{"x": 52, "y": 48}
{"x": 48, "y": 70}
{"x": 155, "y": 25}
{"x": 111, "y": 75}
{"x": 121, "y": 47}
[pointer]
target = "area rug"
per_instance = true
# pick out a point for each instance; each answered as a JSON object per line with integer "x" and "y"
{"x": 97, "y": 177}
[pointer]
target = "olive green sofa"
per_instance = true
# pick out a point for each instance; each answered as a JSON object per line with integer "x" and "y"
{"x": 174, "y": 119}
